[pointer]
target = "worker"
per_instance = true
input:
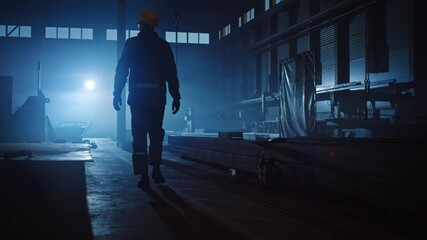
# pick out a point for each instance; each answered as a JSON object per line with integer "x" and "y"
{"x": 149, "y": 62}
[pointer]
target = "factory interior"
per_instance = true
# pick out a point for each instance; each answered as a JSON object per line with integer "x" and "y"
{"x": 298, "y": 119}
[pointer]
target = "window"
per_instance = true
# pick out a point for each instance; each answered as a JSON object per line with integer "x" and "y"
{"x": 226, "y": 30}
{"x": 68, "y": 33}
{"x": 133, "y": 33}
{"x": 193, "y": 38}
{"x": 50, "y": 32}
{"x": 75, "y": 33}
{"x": 182, "y": 37}
{"x": 204, "y": 38}
{"x": 15, "y": 31}
{"x": 171, "y": 37}
{"x": 267, "y": 5}
{"x": 63, "y": 33}
{"x": 25, "y": 31}
{"x": 111, "y": 35}
{"x": 12, "y": 31}
{"x": 87, "y": 33}
{"x": 2, "y": 31}
{"x": 271, "y": 3}
{"x": 249, "y": 15}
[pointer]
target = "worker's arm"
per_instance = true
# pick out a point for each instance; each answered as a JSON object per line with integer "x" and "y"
{"x": 122, "y": 71}
{"x": 171, "y": 74}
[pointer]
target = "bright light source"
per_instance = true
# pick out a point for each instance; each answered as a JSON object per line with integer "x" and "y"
{"x": 90, "y": 85}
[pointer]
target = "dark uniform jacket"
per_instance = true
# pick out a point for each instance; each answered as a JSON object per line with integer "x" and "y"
{"x": 148, "y": 61}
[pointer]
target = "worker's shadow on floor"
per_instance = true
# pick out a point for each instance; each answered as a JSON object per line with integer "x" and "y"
{"x": 168, "y": 197}
{"x": 185, "y": 220}
{"x": 175, "y": 213}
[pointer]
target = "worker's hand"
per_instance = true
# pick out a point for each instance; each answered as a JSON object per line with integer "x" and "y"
{"x": 175, "y": 106}
{"x": 117, "y": 102}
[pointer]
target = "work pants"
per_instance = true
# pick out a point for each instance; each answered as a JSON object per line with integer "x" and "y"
{"x": 146, "y": 121}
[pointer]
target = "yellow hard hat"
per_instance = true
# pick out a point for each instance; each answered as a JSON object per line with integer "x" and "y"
{"x": 150, "y": 17}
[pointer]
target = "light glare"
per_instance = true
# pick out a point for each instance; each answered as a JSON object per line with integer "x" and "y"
{"x": 90, "y": 85}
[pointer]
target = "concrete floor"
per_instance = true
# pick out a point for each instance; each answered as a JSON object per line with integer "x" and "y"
{"x": 99, "y": 200}
{"x": 192, "y": 206}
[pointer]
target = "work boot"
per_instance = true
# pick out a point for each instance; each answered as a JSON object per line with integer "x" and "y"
{"x": 144, "y": 182}
{"x": 157, "y": 174}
